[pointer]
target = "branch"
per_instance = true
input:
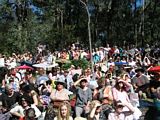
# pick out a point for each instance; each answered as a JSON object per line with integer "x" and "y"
{"x": 83, "y": 3}
{"x": 86, "y": 8}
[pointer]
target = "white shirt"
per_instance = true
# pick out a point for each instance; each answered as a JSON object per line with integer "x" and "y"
{"x": 20, "y": 110}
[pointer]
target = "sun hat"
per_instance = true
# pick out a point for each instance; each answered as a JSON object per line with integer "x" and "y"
{"x": 59, "y": 80}
{"x": 139, "y": 69}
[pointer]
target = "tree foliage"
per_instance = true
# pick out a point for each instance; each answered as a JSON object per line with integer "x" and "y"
{"x": 58, "y": 23}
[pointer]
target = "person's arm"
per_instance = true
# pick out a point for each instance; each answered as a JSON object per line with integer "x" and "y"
{"x": 91, "y": 116}
{"x": 78, "y": 81}
{"x": 129, "y": 106}
{"x": 37, "y": 111}
{"x": 34, "y": 96}
{"x": 17, "y": 111}
{"x": 114, "y": 92}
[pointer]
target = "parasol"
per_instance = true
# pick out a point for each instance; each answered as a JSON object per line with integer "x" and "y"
{"x": 45, "y": 65}
{"x": 154, "y": 69}
{"x": 25, "y": 67}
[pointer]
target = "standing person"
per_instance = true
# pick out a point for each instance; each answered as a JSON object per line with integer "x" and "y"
{"x": 64, "y": 112}
{"x": 84, "y": 96}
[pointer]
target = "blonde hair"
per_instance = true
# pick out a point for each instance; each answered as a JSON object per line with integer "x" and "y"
{"x": 65, "y": 103}
{"x": 93, "y": 103}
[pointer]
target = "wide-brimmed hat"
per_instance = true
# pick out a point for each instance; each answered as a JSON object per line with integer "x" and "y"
{"x": 139, "y": 69}
{"x": 125, "y": 83}
{"x": 60, "y": 81}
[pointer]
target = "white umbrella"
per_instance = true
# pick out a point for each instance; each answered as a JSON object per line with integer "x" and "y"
{"x": 45, "y": 65}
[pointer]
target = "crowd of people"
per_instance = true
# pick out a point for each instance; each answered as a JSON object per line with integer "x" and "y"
{"x": 117, "y": 87}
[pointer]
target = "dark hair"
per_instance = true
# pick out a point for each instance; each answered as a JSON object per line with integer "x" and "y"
{"x": 30, "y": 114}
{"x": 118, "y": 88}
{"x": 49, "y": 82}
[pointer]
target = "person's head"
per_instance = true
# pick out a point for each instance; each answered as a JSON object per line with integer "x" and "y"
{"x": 139, "y": 71}
{"x": 66, "y": 72}
{"x": 120, "y": 85}
{"x": 118, "y": 107}
{"x": 64, "y": 111}
{"x": 9, "y": 89}
{"x": 41, "y": 71}
{"x": 59, "y": 84}
{"x": 24, "y": 102}
{"x": 83, "y": 83}
{"x": 30, "y": 114}
{"x": 101, "y": 82}
{"x": 97, "y": 104}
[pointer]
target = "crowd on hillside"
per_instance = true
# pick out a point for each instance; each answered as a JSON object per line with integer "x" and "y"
{"x": 117, "y": 87}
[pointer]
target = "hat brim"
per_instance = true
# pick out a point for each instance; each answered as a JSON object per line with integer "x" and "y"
{"x": 61, "y": 82}
{"x": 139, "y": 70}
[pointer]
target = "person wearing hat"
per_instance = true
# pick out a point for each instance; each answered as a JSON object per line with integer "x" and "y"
{"x": 120, "y": 91}
{"x": 139, "y": 79}
{"x": 96, "y": 111}
{"x": 131, "y": 114}
{"x": 60, "y": 93}
{"x": 68, "y": 79}
{"x": 83, "y": 97}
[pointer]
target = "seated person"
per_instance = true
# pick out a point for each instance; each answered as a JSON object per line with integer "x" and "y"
{"x": 64, "y": 112}
{"x": 60, "y": 93}
{"x": 24, "y": 105}
{"x": 96, "y": 111}
{"x": 132, "y": 113}
{"x": 10, "y": 97}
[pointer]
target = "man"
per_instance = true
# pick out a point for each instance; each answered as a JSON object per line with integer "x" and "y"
{"x": 84, "y": 97}
{"x": 68, "y": 79}
{"x": 10, "y": 98}
{"x": 139, "y": 79}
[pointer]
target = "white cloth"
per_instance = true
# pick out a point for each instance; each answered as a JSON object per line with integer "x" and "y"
{"x": 20, "y": 110}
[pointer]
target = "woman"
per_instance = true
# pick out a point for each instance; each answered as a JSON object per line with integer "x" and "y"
{"x": 59, "y": 94}
{"x": 64, "y": 112}
{"x": 119, "y": 91}
{"x": 131, "y": 114}
{"x": 30, "y": 94}
{"x": 21, "y": 109}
